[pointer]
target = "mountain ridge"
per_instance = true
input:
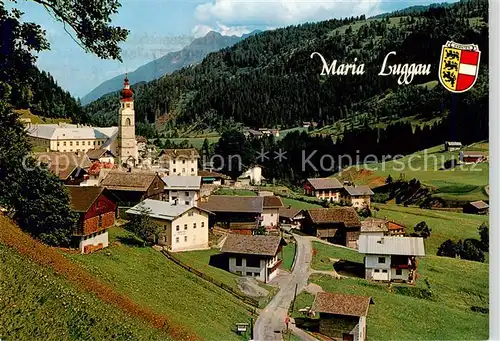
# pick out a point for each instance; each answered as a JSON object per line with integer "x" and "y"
{"x": 172, "y": 61}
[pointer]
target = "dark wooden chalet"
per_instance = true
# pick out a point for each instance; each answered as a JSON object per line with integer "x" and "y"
{"x": 229, "y": 210}
{"x": 476, "y": 207}
{"x": 130, "y": 188}
{"x": 338, "y": 225}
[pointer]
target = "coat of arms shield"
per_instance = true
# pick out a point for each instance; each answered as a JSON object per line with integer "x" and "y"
{"x": 459, "y": 66}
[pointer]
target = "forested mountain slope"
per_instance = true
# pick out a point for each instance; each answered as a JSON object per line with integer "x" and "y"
{"x": 191, "y": 54}
{"x": 270, "y": 79}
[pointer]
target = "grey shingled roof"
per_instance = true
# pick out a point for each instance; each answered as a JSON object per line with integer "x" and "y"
{"x": 479, "y": 204}
{"x": 405, "y": 246}
{"x": 228, "y": 203}
{"x": 252, "y": 245}
{"x": 358, "y": 190}
{"x": 341, "y": 304}
{"x": 324, "y": 183}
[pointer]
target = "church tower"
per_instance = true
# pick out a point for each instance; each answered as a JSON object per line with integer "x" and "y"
{"x": 127, "y": 145}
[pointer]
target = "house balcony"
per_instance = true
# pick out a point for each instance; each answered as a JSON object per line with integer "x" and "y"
{"x": 275, "y": 265}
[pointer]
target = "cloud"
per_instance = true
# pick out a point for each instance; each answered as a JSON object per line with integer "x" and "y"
{"x": 281, "y": 12}
{"x": 202, "y": 29}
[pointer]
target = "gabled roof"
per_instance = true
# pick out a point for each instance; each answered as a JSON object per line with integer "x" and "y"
{"x": 346, "y": 215}
{"x": 272, "y": 202}
{"x": 470, "y": 153}
{"x": 69, "y": 131}
{"x": 82, "y": 197}
{"x": 186, "y": 153}
{"x": 228, "y": 203}
{"x": 341, "y": 304}
{"x": 454, "y": 143}
{"x": 324, "y": 183}
{"x": 96, "y": 154}
{"x": 208, "y": 174}
{"x": 374, "y": 225}
{"x": 289, "y": 212}
{"x": 63, "y": 164}
{"x": 358, "y": 190}
{"x": 176, "y": 182}
{"x": 129, "y": 181}
{"x": 162, "y": 209}
{"x": 479, "y": 204}
{"x": 404, "y": 246}
{"x": 252, "y": 245}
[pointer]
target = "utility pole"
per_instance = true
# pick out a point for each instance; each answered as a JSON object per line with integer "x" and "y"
{"x": 294, "y": 296}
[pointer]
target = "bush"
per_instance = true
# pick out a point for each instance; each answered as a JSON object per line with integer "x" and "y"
{"x": 484, "y": 235}
{"x": 380, "y": 197}
{"x": 447, "y": 249}
{"x": 422, "y": 230}
{"x": 471, "y": 251}
{"x": 365, "y": 212}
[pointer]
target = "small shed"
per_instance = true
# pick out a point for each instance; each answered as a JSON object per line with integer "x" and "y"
{"x": 342, "y": 316}
{"x": 476, "y": 207}
{"x": 452, "y": 146}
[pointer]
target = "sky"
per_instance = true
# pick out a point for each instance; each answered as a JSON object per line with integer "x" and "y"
{"x": 161, "y": 26}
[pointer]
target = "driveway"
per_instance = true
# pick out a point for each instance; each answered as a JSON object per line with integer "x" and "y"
{"x": 271, "y": 321}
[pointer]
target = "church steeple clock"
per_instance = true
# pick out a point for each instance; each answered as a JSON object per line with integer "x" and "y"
{"x": 127, "y": 145}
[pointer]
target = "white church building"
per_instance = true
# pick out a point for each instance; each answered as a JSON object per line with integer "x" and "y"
{"x": 121, "y": 140}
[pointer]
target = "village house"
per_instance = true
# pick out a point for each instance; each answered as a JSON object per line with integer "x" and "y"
{"x": 323, "y": 188}
{"x": 269, "y": 132}
{"x": 179, "y": 161}
{"x": 212, "y": 178}
{"x": 337, "y": 225}
{"x": 96, "y": 211}
{"x": 270, "y": 211}
{"x": 390, "y": 258}
{"x": 291, "y": 217}
{"x": 133, "y": 187}
{"x": 229, "y": 210}
{"x": 96, "y": 173}
{"x": 70, "y": 167}
{"x": 374, "y": 227}
{"x": 252, "y": 176}
{"x": 451, "y": 146}
{"x": 396, "y": 229}
{"x": 342, "y": 316}
{"x": 184, "y": 189}
{"x": 252, "y": 132}
{"x": 256, "y": 256}
{"x": 183, "y": 227}
{"x": 469, "y": 157}
{"x": 101, "y": 155}
{"x": 476, "y": 207}
{"x": 357, "y": 196}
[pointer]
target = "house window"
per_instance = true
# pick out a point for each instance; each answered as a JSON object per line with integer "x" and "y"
{"x": 185, "y": 238}
{"x": 58, "y": 144}
{"x": 194, "y": 225}
{"x": 239, "y": 261}
{"x": 399, "y": 272}
{"x": 70, "y": 143}
{"x": 183, "y": 170}
{"x": 165, "y": 227}
{"x": 183, "y": 161}
{"x": 174, "y": 170}
{"x": 256, "y": 274}
{"x": 77, "y": 143}
{"x": 272, "y": 214}
{"x": 64, "y": 143}
{"x": 192, "y": 169}
{"x": 186, "y": 193}
{"x": 202, "y": 224}
{"x": 176, "y": 239}
{"x": 186, "y": 202}
{"x": 173, "y": 162}
{"x": 253, "y": 262}
{"x": 94, "y": 143}
{"x": 185, "y": 226}
{"x": 377, "y": 270}
{"x": 99, "y": 223}
{"x": 249, "y": 274}
{"x": 384, "y": 271}
{"x": 177, "y": 228}
{"x": 381, "y": 260}
{"x": 190, "y": 214}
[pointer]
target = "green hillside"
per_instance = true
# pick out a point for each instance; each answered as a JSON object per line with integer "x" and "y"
{"x": 461, "y": 183}
{"x": 38, "y": 305}
{"x": 153, "y": 281}
{"x": 270, "y": 79}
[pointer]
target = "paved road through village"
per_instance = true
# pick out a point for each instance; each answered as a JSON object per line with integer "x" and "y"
{"x": 272, "y": 319}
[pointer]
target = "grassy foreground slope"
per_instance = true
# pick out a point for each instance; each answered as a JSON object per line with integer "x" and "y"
{"x": 401, "y": 312}
{"x": 151, "y": 280}
{"x": 36, "y": 304}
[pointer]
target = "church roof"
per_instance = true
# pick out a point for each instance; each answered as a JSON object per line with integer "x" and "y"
{"x": 70, "y": 132}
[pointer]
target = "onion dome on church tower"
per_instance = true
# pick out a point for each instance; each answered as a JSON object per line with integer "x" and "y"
{"x": 126, "y": 95}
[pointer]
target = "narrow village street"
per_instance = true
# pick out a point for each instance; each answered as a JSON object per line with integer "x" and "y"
{"x": 272, "y": 318}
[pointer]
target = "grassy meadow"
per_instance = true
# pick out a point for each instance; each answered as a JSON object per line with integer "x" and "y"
{"x": 462, "y": 183}
{"x": 444, "y": 225}
{"x": 150, "y": 279}
{"x": 40, "y": 305}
